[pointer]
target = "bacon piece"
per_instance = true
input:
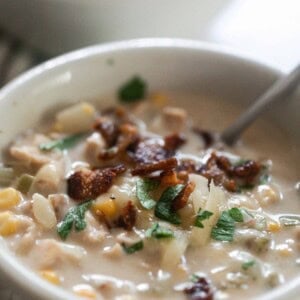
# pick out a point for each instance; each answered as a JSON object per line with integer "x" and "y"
{"x": 128, "y": 217}
{"x": 150, "y": 151}
{"x": 128, "y": 135}
{"x": 163, "y": 165}
{"x": 88, "y": 184}
{"x": 168, "y": 178}
{"x": 205, "y": 135}
{"x": 108, "y": 129}
{"x": 174, "y": 141}
{"x": 200, "y": 290}
{"x": 181, "y": 200}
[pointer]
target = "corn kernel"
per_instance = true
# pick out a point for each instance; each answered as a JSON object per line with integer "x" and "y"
{"x": 57, "y": 127}
{"x": 50, "y": 276}
{"x": 85, "y": 291}
{"x": 284, "y": 250}
{"x": 88, "y": 109}
{"x": 8, "y": 223}
{"x": 107, "y": 207}
{"x": 159, "y": 99}
{"x": 9, "y": 198}
{"x": 273, "y": 227}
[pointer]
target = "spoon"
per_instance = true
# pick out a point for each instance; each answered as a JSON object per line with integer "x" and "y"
{"x": 278, "y": 92}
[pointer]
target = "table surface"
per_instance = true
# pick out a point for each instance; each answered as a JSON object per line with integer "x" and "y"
{"x": 266, "y": 30}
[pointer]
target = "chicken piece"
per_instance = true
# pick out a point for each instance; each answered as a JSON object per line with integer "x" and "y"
{"x": 174, "y": 117}
{"x": 29, "y": 156}
{"x": 49, "y": 252}
{"x": 94, "y": 232}
{"x": 94, "y": 144}
{"x": 60, "y": 203}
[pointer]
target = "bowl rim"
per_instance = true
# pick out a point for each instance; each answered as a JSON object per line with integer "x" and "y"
{"x": 11, "y": 267}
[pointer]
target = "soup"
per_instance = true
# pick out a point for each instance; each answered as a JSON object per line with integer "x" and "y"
{"x": 143, "y": 201}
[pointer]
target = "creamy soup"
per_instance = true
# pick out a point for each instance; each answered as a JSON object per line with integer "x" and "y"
{"x": 141, "y": 201}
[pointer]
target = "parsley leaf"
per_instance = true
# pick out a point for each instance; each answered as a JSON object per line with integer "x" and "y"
{"x": 61, "y": 144}
{"x": 248, "y": 264}
{"x": 75, "y": 216}
{"x": 201, "y": 216}
{"x": 236, "y": 214}
{"x": 133, "y": 248}
{"x": 143, "y": 187}
{"x": 163, "y": 208}
{"x": 224, "y": 229}
{"x": 159, "y": 232}
{"x": 132, "y": 91}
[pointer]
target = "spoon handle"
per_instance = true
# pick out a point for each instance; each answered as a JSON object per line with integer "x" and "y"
{"x": 280, "y": 90}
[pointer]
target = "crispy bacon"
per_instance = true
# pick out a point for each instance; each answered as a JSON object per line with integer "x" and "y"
{"x": 181, "y": 200}
{"x": 128, "y": 134}
{"x": 205, "y": 135}
{"x": 88, "y": 184}
{"x": 149, "y": 151}
{"x": 108, "y": 129}
{"x": 128, "y": 217}
{"x": 200, "y": 290}
{"x": 163, "y": 165}
{"x": 174, "y": 141}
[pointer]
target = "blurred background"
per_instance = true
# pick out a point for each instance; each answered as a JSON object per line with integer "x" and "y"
{"x": 32, "y": 31}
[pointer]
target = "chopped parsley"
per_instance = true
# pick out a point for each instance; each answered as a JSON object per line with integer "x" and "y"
{"x": 163, "y": 209}
{"x": 201, "y": 216}
{"x": 225, "y": 227}
{"x": 248, "y": 264}
{"x": 236, "y": 214}
{"x": 133, "y": 248}
{"x": 132, "y": 91}
{"x": 61, "y": 144}
{"x": 143, "y": 187}
{"x": 159, "y": 232}
{"x": 75, "y": 216}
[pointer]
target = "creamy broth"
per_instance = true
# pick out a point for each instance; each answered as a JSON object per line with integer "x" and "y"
{"x": 93, "y": 262}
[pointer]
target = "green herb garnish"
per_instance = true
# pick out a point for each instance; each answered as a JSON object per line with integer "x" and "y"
{"x": 133, "y": 248}
{"x": 75, "y": 216}
{"x": 264, "y": 178}
{"x": 159, "y": 232}
{"x": 64, "y": 143}
{"x": 133, "y": 90}
{"x": 163, "y": 209}
{"x": 236, "y": 214}
{"x": 201, "y": 216}
{"x": 225, "y": 227}
{"x": 248, "y": 264}
{"x": 143, "y": 187}
{"x": 24, "y": 183}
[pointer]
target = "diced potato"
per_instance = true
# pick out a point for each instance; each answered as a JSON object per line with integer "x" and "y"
{"x": 106, "y": 207}
{"x": 173, "y": 250}
{"x": 50, "y": 276}
{"x": 200, "y": 236}
{"x": 9, "y": 198}
{"x": 43, "y": 211}
{"x": 122, "y": 191}
{"x": 47, "y": 180}
{"x": 8, "y": 223}
{"x": 200, "y": 194}
{"x": 77, "y": 118}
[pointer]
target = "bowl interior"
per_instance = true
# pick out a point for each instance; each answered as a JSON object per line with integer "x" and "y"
{"x": 97, "y": 72}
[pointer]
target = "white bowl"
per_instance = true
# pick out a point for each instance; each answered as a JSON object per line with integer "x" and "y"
{"x": 166, "y": 64}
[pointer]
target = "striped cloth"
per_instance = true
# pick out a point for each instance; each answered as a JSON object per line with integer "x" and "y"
{"x": 15, "y": 58}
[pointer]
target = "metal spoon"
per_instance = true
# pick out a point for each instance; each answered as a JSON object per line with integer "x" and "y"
{"x": 279, "y": 91}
